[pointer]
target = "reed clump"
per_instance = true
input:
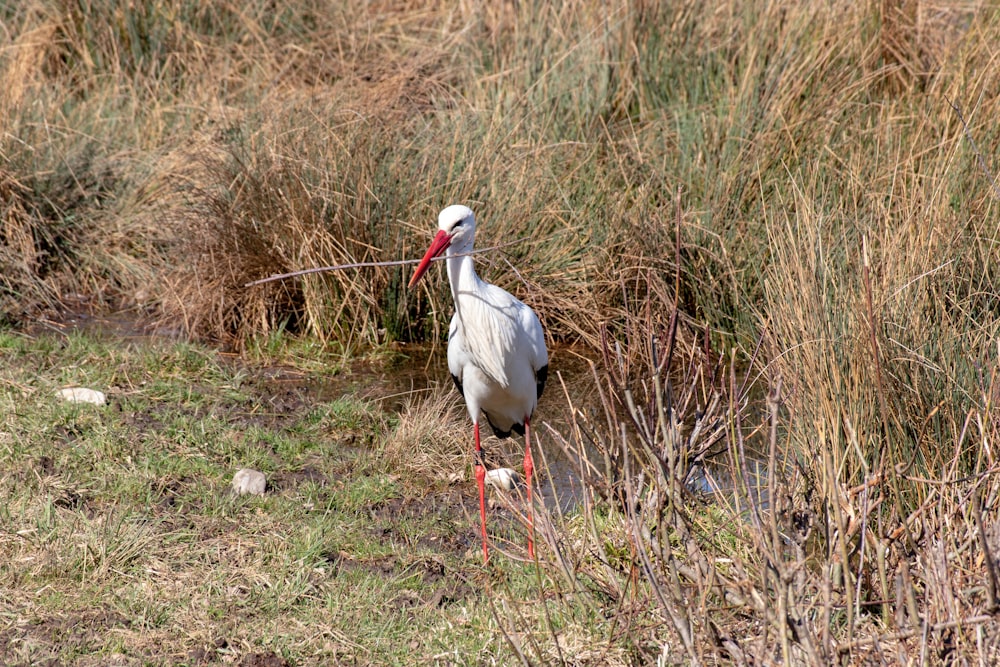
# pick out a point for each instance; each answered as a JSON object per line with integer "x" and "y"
{"x": 706, "y": 537}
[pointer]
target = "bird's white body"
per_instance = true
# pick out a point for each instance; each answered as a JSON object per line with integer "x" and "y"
{"x": 496, "y": 346}
{"x": 496, "y": 349}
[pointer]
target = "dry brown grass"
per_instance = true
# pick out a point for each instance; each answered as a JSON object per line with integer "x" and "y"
{"x": 257, "y": 144}
{"x": 788, "y": 560}
{"x": 789, "y": 186}
{"x": 431, "y": 440}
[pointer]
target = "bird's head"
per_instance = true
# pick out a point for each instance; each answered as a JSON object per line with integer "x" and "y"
{"x": 456, "y": 227}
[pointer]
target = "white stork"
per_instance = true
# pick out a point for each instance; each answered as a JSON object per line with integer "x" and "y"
{"x": 496, "y": 349}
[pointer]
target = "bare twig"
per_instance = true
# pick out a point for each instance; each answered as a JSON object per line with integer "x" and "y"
{"x": 368, "y": 265}
{"x": 975, "y": 149}
{"x": 991, "y": 567}
{"x": 514, "y": 646}
{"x": 847, "y": 647}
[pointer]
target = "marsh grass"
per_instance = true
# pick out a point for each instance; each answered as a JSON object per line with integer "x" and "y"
{"x": 789, "y": 561}
{"x": 431, "y": 438}
{"x": 790, "y": 191}
{"x": 335, "y": 136}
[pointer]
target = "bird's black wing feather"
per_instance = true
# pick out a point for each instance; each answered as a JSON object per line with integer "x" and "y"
{"x": 541, "y": 375}
{"x": 458, "y": 385}
{"x": 500, "y": 433}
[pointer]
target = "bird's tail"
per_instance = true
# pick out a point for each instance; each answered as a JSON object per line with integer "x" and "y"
{"x": 501, "y": 433}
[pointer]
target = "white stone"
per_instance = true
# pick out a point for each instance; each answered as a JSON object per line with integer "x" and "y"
{"x": 248, "y": 480}
{"x": 82, "y": 395}
{"x": 504, "y": 479}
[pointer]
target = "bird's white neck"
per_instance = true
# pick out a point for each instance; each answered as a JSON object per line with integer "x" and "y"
{"x": 462, "y": 273}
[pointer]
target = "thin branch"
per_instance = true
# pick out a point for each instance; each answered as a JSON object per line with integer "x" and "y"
{"x": 975, "y": 149}
{"x": 991, "y": 567}
{"x": 913, "y": 632}
{"x": 366, "y": 265}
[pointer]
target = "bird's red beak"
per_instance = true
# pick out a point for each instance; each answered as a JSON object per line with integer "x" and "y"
{"x": 438, "y": 246}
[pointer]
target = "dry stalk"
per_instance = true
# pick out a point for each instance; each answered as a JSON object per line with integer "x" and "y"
{"x": 980, "y": 160}
{"x": 992, "y": 604}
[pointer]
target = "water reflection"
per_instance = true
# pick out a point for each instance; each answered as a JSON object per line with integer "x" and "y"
{"x": 415, "y": 370}
{"x": 712, "y": 478}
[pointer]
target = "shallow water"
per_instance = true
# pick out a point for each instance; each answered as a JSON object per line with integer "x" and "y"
{"x": 423, "y": 369}
{"x": 413, "y": 370}
{"x": 392, "y": 382}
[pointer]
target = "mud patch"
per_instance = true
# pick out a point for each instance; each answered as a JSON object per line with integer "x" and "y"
{"x": 46, "y": 465}
{"x": 170, "y": 491}
{"x": 66, "y": 633}
{"x": 146, "y": 421}
{"x": 293, "y": 479}
{"x": 262, "y": 660}
{"x": 447, "y": 503}
{"x": 209, "y": 654}
{"x": 213, "y": 654}
{"x": 380, "y": 567}
{"x": 436, "y": 585}
{"x": 439, "y": 511}
{"x": 44, "y": 474}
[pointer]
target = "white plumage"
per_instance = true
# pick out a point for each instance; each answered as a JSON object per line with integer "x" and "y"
{"x": 496, "y": 346}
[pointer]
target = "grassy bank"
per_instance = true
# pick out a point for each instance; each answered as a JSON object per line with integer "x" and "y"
{"x": 807, "y": 192}
{"x": 122, "y": 543}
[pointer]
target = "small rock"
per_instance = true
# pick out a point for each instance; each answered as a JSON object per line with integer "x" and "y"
{"x": 248, "y": 480}
{"x": 82, "y": 395}
{"x": 504, "y": 479}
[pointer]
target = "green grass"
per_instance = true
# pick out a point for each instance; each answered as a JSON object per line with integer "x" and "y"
{"x": 120, "y": 535}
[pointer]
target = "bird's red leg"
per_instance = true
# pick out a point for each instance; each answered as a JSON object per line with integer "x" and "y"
{"x": 481, "y": 482}
{"x": 529, "y": 467}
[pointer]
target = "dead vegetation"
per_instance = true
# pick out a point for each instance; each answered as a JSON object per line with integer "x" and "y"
{"x": 430, "y": 438}
{"x": 784, "y": 216}
{"x": 705, "y": 538}
{"x": 258, "y": 144}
